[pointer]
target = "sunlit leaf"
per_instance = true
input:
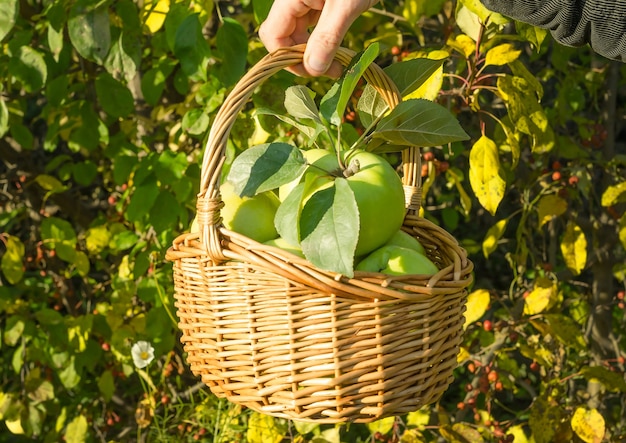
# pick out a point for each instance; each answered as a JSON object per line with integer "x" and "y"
{"x": 383, "y": 426}
{"x": 90, "y": 31}
{"x": 574, "y": 248}
{"x": 463, "y": 44}
{"x": 263, "y": 428}
{"x": 477, "y": 304}
{"x": 494, "y": 233}
{"x": 29, "y": 67}
{"x": 614, "y": 194}
{"x": 567, "y": 331}
{"x": 484, "y": 174}
{"x": 622, "y": 230}
{"x": 541, "y": 297}
{"x": 76, "y": 431}
{"x": 154, "y": 13}
{"x": 588, "y": 424}
{"x": 501, "y": 55}
{"x": 9, "y": 10}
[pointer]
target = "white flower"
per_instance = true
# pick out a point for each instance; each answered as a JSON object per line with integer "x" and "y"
{"x": 143, "y": 354}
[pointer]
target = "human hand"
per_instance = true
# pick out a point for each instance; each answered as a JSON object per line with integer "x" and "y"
{"x": 288, "y": 21}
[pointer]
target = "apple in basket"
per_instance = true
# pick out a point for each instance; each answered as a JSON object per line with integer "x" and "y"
{"x": 339, "y": 199}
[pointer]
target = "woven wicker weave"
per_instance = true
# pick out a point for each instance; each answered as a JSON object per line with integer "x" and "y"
{"x": 268, "y": 330}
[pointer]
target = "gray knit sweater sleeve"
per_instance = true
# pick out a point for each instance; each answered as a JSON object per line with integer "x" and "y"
{"x": 601, "y": 23}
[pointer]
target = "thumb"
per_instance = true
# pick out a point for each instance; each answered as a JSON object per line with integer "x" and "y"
{"x": 331, "y": 28}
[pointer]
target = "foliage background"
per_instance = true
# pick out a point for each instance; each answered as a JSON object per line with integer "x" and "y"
{"x": 104, "y": 106}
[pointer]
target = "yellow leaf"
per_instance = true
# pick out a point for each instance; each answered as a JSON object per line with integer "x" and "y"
{"x": 484, "y": 14}
{"x": 463, "y": 44}
{"x": 462, "y": 356}
{"x": 419, "y": 418}
{"x": 501, "y": 55}
{"x": 263, "y": 429}
{"x": 541, "y": 297}
{"x": 588, "y": 424}
{"x": 614, "y": 194}
{"x": 493, "y": 235}
{"x": 260, "y": 135}
{"x": 155, "y": 12}
{"x": 477, "y": 303}
{"x": 574, "y": 248}
{"x": 549, "y": 207}
{"x": 484, "y": 174}
{"x": 519, "y": 434}
{"x": 383, "y": 426}
{"x": 76, "y": 431}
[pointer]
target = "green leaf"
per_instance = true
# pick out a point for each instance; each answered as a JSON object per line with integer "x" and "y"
{"x": 14, "y": 330}
{"x": 106, "y": 385}
{"x": 265, "y": 167}
{"x": 613, "y": 381}
{"x": 494, "y": 233}
{"x": 12, "y": 262}
{"x": 153, "y": 81}
{"x": 84, "y": 172}
{"x": 310, "y": 132}
{"x": 420, "y": 122}
{"x": 614, "y": 194}
{"x": 29, "y": 67}
{"x": 383, "y": 426}
{"x": 484, "y": 174}
{"x": 56, "y": 232}
{"x": 9, "y": 10}
{"x": 114, "y": 97}
{"x": 165, "y": 212}
{"x": 287, "y": 215}
{"x": 370, "y": 106}
{"x": 90, "y": 31}
{"x": 299, "y": 103}
{"x": 335, "y": 101}
{"x": 76, "y": 431}
{"x": 232, "y": 43}
{"x": 574, "y": 248}
{"x": 567, "y": 331}
{"x": 191, "y": 48}
{"x": 329, "y": 228}
{"x": 261, "y": 9}
{"x": 124, "y": 57}
{"x": 142, "y": 200}
{"x": 196, "y": 121}
{"x": 545, "y": 418}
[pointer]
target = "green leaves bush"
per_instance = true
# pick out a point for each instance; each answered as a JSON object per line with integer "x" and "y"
{"x": 104, "y": 107}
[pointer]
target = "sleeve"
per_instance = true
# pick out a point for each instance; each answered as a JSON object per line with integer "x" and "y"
{"x": 599, "y": 23}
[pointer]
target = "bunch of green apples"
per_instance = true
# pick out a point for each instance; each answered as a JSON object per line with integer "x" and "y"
{"x": 381, "y": 246}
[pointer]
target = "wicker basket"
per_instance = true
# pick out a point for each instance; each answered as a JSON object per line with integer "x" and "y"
{"x": 268, "y": 330}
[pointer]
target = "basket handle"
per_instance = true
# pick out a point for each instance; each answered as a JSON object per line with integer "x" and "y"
{"x": 208, "y": 202}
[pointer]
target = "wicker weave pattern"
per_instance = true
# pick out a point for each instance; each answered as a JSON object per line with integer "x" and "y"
{"x": 266, "y": 329}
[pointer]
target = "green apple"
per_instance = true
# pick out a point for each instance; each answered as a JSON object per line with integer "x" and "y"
{"x": 406, "y": 240}
{"x": 250, "y": 216}
{"x": 284, "y": 244}
{"x": 377, "y": 190}
{"x": 397, "y": 260}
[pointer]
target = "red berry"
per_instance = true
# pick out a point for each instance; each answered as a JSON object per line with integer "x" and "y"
{"x": 534, "y": 366}
{"x": 395, "y": 50}
{"x": 556, "y": 165}
{"x": 488, "y": 325}
{"x": 471, "y": 367}
{"x": 110, "y": 421}
{"x": 428, "y": 156}
{"x": 492, "y": 376}
{"x": 556, "y": 176}
{"x": 106, "y": 347}
{"x": 165, "y": 399}
{"x": 460, "y": 405}
{"x": 620, "y": 295}
{"x": 572, "y": 180}
{"x": 111, "y": 200}
{"x": 621, "y": 305}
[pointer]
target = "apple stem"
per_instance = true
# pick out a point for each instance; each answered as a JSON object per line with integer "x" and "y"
{"x": 352, "y": 169}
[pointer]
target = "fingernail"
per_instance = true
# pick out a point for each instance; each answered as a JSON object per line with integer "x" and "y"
{"x": 318, "y": 65}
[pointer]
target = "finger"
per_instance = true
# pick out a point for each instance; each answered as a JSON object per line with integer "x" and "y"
{"x": 334, "y": 22}
{"x": 286, "y": 24}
